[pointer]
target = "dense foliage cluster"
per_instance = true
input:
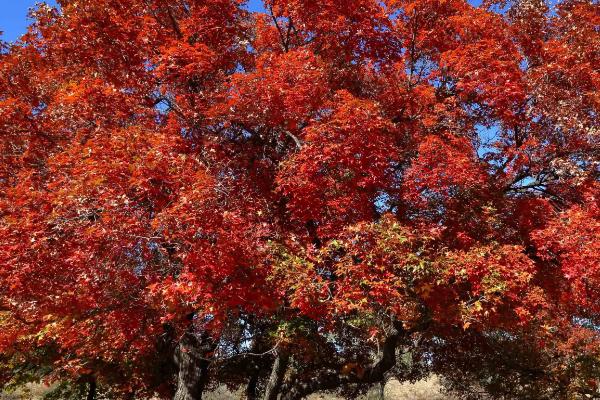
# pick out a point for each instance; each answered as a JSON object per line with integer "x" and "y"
{"x": 320, "y": 196}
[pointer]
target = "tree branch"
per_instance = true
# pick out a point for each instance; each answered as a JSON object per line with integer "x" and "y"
{"x": 174, "y": 23}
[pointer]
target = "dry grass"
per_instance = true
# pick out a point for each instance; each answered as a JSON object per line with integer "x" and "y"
{"x": 429, "y": 389}
{"x": 31, "y": 391}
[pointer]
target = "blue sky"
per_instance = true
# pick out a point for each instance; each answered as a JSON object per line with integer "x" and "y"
{"x": 253, "y": 5}
{"x": 14, "y": 21}
{"x": 13, "y": 17}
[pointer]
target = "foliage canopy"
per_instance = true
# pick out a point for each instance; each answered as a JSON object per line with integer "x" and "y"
{"x": 316, "y": 197}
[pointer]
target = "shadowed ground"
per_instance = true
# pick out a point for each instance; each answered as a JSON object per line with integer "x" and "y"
{"x": 422, "y": 390}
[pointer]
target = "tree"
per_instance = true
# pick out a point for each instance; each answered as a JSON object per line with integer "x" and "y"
{"x": 319, "y": 196}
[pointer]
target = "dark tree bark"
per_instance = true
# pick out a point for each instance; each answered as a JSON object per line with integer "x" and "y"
{"x": 331, "y": 380}
{"x": 252, "y": 387}
{"x": 91, "y": 395}
{"x": 257, "y": 361}
{"x": 277, "y": 374}
{"x": 192, "y": 360}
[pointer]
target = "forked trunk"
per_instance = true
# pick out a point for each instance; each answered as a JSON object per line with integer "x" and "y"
{"x": 277, "y": 374}
{"x": 192, "y": 360}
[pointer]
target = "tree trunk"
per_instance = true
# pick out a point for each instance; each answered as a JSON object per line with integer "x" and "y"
{"x": 192, "y": 361}
{"x": 255, "y": 364}
{"x": 91, "y": 395}
{"x": 252, "y": 387}
{"x": 277, "y": 374}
